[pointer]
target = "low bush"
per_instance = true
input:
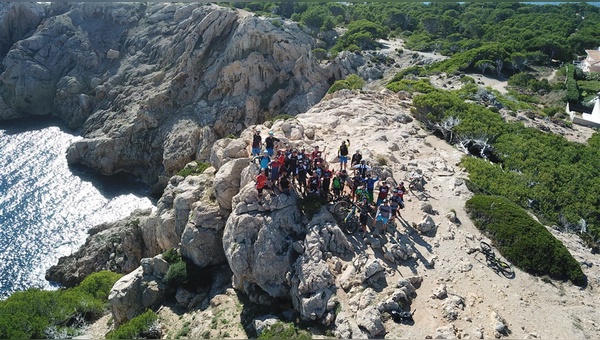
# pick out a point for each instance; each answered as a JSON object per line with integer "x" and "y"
{"x": 135, "y": 328}
{"x": 34, "y": 312}
{"x": 522, "y": 240}
{"x": 280, "y": 330}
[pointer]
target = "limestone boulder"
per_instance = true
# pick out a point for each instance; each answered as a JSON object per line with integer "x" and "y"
{"x": 201, "y": 241}
{"x": 227, "y": 181}
{"x": 163, "y": 229}
{"x": 313, "y": 284}
{"x": 258, "y": 245}
{"x": 141, "y": 289}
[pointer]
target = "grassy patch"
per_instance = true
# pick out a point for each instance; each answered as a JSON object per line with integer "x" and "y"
{"x": 522, "y": 240}
{"x": 194, "y": 170}
{"x": 284, "y": 116}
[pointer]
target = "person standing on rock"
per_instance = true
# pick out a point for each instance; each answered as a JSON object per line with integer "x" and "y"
{"x": 261, "y": 183}
{"x": 364, "y": 209}
{"x": 284, "y": 183}
{"x": 361, "y": 169}
{"x": 291, "y": 164}
{"x": 326, "y": 182}
{"x": 276, "y": 166}
{"x": 343, "y": 154}
{"x": 356, "y": 158}
{"x": 302, "y": 176}
{"x": 337, "y": 186}
{"x": 264, "y": 160}
{"x": 384, "y": 189}
{"x": 384, "y": 213}
{"x": 370, "y": 183}
{"x": 270, "y": 144}
{"x": 256, "y": 143}
{"x": 397, "y": 203}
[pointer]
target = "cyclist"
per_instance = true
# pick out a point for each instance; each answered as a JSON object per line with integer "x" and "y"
{"x": 361, "y": 193}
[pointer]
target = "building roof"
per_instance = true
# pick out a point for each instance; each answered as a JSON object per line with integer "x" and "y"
{"x": 593, "y": 56}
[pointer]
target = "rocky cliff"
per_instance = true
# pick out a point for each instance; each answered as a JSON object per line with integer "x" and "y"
{"x": 155, "y": 87}
{"x": 152, "y": 85}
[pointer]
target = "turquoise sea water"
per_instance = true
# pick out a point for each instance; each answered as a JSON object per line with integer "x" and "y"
{"x": 46, "y": 207}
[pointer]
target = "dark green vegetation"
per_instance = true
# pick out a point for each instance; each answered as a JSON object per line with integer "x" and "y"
{"x": 506, "y": 36}
{"x": 137, "y": 328}
{"x": 522, "y": 240}
{"x": 39, "y": 314}
{"x": 197, "y": 170}
{"x": 557, "y": 179}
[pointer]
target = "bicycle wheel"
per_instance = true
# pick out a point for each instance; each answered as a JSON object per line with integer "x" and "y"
{"x": 486, "y": 248}
{"x": 341, "y": 208}
{"x": 505, "y": 269}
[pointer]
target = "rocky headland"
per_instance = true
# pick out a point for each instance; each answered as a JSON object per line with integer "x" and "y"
{"x": 156, "y": 88}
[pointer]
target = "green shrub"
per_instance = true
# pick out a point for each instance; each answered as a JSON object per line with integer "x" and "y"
{"x": 353, "y": 82}
{"x": 171, "y": 256}
{"x": 413, "y": 70}
{"x": 29, "y": 314}
{"x": 177, "y": 274}
{"x": 280, "y": 330}
{"x": 522, "y": 240}
{"x": 98, "y": 284}
{"x": 572, "y": 89}
{"x": 319, "y": 53}
{"x": 411, "y": 85}
{"x": 195, "y": 170}
{"x": 135, "y": 328}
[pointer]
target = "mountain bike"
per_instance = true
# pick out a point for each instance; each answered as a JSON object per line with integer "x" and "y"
{"x": 416, "y": 182}
{"x": 344, "y": 211}
{"x": 497, "y": 264}
{"x": 350, "y": 222}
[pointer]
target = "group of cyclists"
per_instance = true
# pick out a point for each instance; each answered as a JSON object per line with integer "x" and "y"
{"x": 282, "y": 168}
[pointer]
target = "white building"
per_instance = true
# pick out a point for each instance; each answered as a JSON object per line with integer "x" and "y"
{"x": 587, "y": 119}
